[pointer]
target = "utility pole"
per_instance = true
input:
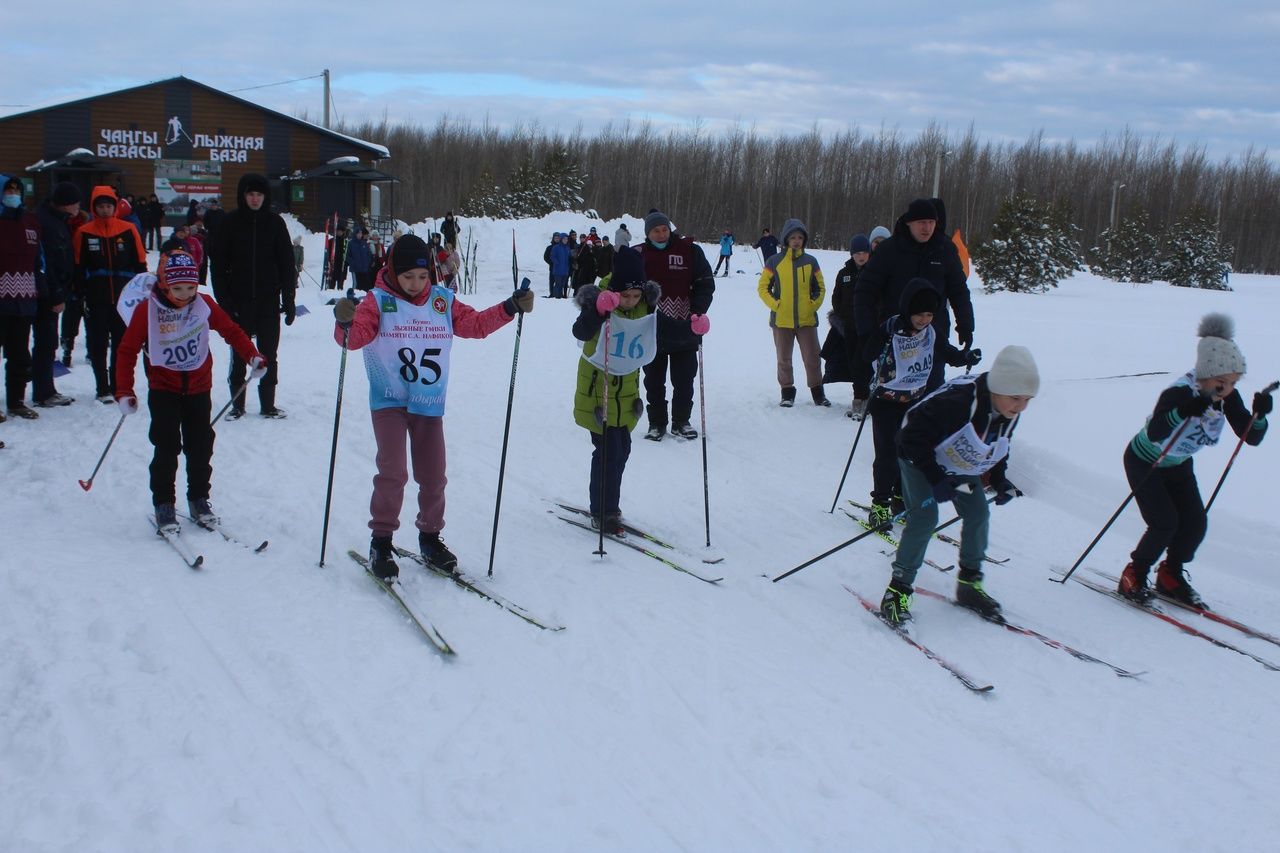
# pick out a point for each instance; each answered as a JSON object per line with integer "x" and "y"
{"x": 1116, "y": 186}
{"x": 326, "y": 97}
{"x": 937, "y": 171}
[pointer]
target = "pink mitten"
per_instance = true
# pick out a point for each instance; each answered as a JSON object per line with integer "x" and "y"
{"x": 700, "y": 323}
{"x": 606, "y": 301}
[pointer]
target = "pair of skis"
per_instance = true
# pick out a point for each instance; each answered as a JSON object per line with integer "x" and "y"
{"x": 188, "y": 554}
{"x": 630, "y": 540}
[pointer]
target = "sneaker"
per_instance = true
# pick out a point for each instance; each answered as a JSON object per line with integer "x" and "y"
{"x": 970, "y": 594}
{"x": 436, "y": 553}
{"x": 788, "y": 397}
{"x": 895, "y": 606}
{"x": 202, "y": 513}
{"x": 880, "y": 513}
{"x": 55, "y": 400}
{"x": 167, "y": 518}
{"x": 1171, "y": 582}
{"x": 22, "y": 410}
{"x": 236, "y": 413}
{"x": 684, "y": 431}
{"x": 274, "y": 412}
{"x": 819, "y": 396}
{"x": 1133, "y": 584}
{"x": 106, "y": 398}
{"x": 656, "y": 433}
{"x": 381, "y": 560}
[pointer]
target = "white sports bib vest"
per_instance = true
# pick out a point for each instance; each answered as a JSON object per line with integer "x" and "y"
{"x": 1202, "y": 431}
{"x": 408, "y": 363}
{"x": 177, "y": 338}
{"x": 631, "y": 344}
{"x": 914, "y": 359}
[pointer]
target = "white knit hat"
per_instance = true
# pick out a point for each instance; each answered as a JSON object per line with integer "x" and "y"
{"x": 1014, "y": 373}
{"x": 1217, "y": 354}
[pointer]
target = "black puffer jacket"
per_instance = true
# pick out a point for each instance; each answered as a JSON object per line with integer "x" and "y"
{"x": 251, "y": 259}
{"x": 896, "y": 261}
{"x": 59, "y": 254}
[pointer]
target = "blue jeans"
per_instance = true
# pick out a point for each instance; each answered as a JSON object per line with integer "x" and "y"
{"x": 975, "y": 522}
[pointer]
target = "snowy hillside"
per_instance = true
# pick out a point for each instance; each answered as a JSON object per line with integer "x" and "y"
{"x": 266, "y": 704}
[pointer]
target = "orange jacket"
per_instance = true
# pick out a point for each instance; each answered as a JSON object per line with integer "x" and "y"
{"x": 108, "y": 252}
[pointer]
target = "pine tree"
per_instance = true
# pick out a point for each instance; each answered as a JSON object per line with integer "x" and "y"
{"x": 561, "y": 182}
{"x": 524, "y": 193}
{"x": 1131, "y": 252}
{"x": 1031, "y": 248}
{"x": 1192, "y": 255}
{"x": 484, "y": 198}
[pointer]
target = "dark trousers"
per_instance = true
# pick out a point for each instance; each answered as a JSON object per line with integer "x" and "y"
{"x": 886, "y": 420}
{"x": 180, "y": 424}
{"x": 266, "y": 334}
{"x": 615, "y": 447}
{"x": 103, "y": 330}
{"x": 1170, "y": 504}
{"x": 364, "y": 280}
{"x": 15, "y": 340}
{"x": 724, "y": 259}
{"x": 683, "y": 367}
{"x": 71, "y": 316}
{"x": 152, "y": 237}
{"x": 44, "y": 349}
{"x": 859, "y": 367}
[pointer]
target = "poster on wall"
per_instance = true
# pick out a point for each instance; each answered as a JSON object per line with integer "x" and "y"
{"x": 179, "y": 182}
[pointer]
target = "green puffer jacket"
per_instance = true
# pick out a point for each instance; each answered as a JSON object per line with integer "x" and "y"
{"x": 625, "y": 404}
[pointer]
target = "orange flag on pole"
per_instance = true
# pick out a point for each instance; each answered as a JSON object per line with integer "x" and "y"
{"x": 963, "y": 250}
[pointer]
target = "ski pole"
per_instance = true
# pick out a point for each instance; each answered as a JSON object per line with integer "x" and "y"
{"x": 333, "y": 449}
{"x": 1125, "y": 503}
{"x": 861, "y": 424}
{"x": 506, "y": 429}
{"x": 702, "y": 417}
{"x": 88, "y": 484}
{"x": 236, "y": 396}
{"x": 604, "y": 434}
{"x": 1269, "y": 389}
{"x": 887, "y": 524}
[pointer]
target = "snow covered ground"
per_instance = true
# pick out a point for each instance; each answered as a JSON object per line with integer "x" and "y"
{"x": 268, "y": 704}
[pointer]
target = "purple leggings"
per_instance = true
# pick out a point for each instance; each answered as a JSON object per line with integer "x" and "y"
{"x": 426, "y": 439}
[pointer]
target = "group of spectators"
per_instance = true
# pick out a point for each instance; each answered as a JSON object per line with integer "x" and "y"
{"x": 575, "y": 260}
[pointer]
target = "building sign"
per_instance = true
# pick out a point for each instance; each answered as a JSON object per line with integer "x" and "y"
{"x": 179, "y": 182}
{"x": 120, "y": 144}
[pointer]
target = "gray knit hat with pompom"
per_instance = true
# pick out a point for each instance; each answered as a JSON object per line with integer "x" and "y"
{"x": 1217, "y": 354}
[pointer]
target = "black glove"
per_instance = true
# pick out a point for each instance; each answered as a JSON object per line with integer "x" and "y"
{"x": 966, "y": 358}
{"x": 1195, "y": 407}
{"x": 944, "y": 490}
{"x": 965, "y": 337}
{"x": 344, "y": 311}
{"x": 519, "y": 302}
{"x": 1005, "y": 492}
{"x": 1261, "y": 404}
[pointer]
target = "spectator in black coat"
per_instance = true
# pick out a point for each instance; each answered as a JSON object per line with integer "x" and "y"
{"x": 767, "y": 244}
{"x": 251, "y": 261}
{"x": 59, "y": 268}
{"x": 918, "y": 248}
{"x": 449, "y": 229}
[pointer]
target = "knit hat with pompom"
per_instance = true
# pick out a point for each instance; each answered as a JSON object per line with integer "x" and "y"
{"x": 1217, "y": 354}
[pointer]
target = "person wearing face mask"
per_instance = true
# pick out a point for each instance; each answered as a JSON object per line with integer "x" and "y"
{"x": 24, "y": 284}
{"x": 680, "y": 269}
{"x": 173, "y": 323}
{"x": 1189, "y": 415}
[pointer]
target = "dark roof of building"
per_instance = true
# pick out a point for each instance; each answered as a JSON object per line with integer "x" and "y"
{"x": 344, "y": 171}
{"x": 379, "y": 152}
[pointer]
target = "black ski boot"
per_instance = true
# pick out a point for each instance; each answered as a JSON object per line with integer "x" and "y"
{"x": 970, "y": 594}
{"x": 381, "y": 559}
{"x": 895, "y": 606}
{"x": 1171, "y": 583}
{"x": 436, "y": 553}
{"x": 202, "y": 513}
{"x": 612, "y": 524}
{"x": 167, "y": 518}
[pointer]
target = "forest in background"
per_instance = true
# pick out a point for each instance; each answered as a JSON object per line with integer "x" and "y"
{"x": 842, "y": 184}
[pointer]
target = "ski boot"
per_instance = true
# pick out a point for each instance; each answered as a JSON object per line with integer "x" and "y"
{"x": 202, "y": 513}
{"x": 895, "y": 606}
{"x": 436, "y": 553}
{"x": 1171, "y": 583}
{"x": 612, "y": 524}
{"x": 1133, "y": 584}
{"x": 167, "y": 519}
{"x": 970, "y": 594}
{"x": 880, "y": 513}
{"x": 381, "y": 561}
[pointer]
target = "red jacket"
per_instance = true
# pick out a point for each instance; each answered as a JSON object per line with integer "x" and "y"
{"x": 467, "y": 321}
{"x": 196, "y": 381}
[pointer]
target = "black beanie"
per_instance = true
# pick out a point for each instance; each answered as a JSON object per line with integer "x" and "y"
{"x": 628, "y": 270}
{"x": 408, "y": 253}
{"x": 65, "y": 193}
{"x": 924, "y": 300}
{"x": 654, "y": 219}
{"x": 921, "y": 208}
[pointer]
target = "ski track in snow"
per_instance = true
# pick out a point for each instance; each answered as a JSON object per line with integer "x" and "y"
{"x": 264, "y": 703}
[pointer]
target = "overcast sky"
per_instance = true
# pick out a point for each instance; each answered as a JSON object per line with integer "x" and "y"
{"x": 1192, "y": 72}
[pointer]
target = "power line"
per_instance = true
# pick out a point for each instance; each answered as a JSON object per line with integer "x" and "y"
{"x": 281, "y": 83}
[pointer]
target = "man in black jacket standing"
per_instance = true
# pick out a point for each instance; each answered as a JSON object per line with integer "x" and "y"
{"x": 59, "y": 267}
{"x": 918, "y": 248}
{"x": 251, "y": 262}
